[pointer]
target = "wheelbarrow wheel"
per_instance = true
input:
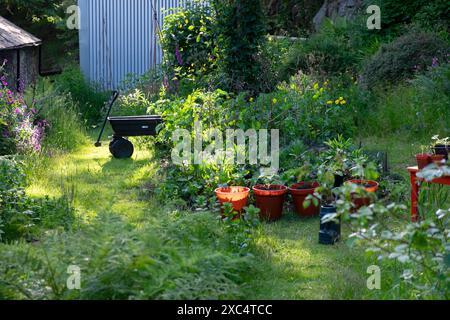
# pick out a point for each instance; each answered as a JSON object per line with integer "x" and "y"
{"x": 121, "y": 148}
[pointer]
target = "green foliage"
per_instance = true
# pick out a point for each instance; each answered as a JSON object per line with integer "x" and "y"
{"x": 240, "y": 30}
{"x": 177, "y": 256}
{"x": 44, "y": 18}
{"x": 301, "y": 109}
{"x": 421, "y": 248}
{"x": 400, "y": 59}
{"x": 19, "y": 214}
{"x": 241, "y": 228}
{"x": 90, "y": 99}
{"x": 291, "y": 17}
{"x": 66, "y": 131}
{"x": 337, "y": 48}
{"x": 426, "y": 13}
{"x": 414, "y": 110}
{"x": 189, "y": 45}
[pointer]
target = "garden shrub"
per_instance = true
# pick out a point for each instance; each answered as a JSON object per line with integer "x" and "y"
{"x": 420, "y": 250}
{"x": 89, "y": 98}
{"x": 426, "y": 13}
{"x": 417, "y": 109}
{"x": 400, "y": 59}
{"x": 189, "y": 45}
{"x": 336, "y": 48}
{"x": 65, "y": 131}
{"x": 301, "y": 109}
{"x": 291, "y": 17}
{"x": 240, "y": 29}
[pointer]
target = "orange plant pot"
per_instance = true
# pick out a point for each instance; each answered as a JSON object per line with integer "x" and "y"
{"x": 237, "y": 196}
{"x": 300, "y": 191}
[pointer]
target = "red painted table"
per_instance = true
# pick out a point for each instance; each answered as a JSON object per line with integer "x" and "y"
{"x": 415, "y": 188}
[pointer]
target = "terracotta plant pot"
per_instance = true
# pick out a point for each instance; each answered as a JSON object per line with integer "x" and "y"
{"x": 437, "y": 159}
{"x": 369, "y": 186}
{"x": 270, "y": 200}
{"x": 300, "y": 191}
{"x": 423, "y": 160}
{"x": 237, "y": 196}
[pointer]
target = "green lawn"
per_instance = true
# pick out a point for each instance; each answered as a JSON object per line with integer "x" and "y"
{"x": 289, "y": 263}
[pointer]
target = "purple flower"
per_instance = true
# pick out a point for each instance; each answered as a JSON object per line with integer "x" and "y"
{"x": 18, "y": 111}
{"x": 435, "y": 62}
{"x": 178, "y": 55}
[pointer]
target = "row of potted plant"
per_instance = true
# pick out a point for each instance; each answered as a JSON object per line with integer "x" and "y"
{"x": 338, "y": 165}
{"x": 270, "y": 199}
{"x": 437, "y": 152}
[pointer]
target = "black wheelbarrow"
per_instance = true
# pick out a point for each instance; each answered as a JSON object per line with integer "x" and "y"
{"x": 124, "y": 127}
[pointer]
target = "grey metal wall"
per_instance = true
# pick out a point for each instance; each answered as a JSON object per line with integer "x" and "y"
{"x": 120, "y": 37}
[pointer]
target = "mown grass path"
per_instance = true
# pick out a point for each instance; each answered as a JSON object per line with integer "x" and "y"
{"x": 290, "y": 263}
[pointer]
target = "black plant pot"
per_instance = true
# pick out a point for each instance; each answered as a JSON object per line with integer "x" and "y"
{"x": 330, "y": 232}
{"x": 338, "y": 181}
{"x": 442, "y": 150}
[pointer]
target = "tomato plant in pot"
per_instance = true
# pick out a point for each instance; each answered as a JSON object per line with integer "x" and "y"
{"x": 339, "y": 158}
{"x": 366, "y": 186}
{"x": 301, "y": 190}
{"x": 270, "y": 196}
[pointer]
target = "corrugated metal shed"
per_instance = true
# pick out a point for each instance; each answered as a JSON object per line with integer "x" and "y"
{"x": 120, "y": 37}
{"x": 13, "y": 37}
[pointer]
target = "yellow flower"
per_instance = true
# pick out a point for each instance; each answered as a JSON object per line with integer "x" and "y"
{"x": 274, "y": 100}
{"x": 343, "y": 102}
{"x": 251, "y": 99}
{"x": 337, "y": 101}
{"x": 330, "y": 102}
{"x": 191, "y": 28}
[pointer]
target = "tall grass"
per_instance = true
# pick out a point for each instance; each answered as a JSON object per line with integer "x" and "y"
{"x": 90, "y": 98}
{"x": 418, "y": 109}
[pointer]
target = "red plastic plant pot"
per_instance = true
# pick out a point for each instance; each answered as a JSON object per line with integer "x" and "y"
{"x": 369, "y": 186}
{"x": 300, "y": 191}
{"x": 423, "y": 160}
{"x": 237, "y": 196}
{"x": 270, "y": 200}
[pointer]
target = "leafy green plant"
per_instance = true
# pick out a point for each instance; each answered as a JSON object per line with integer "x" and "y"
{"x": 90, "y": 98}
{"x": 20, "y": 215}
{"x": 189, "y": 45}
{"x": 411, "y": 53}
{"x": 240, "y": 29}
{"x": 241, "y": 228}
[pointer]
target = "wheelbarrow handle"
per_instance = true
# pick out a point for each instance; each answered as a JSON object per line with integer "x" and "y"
{"x": 113, "y": 99}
